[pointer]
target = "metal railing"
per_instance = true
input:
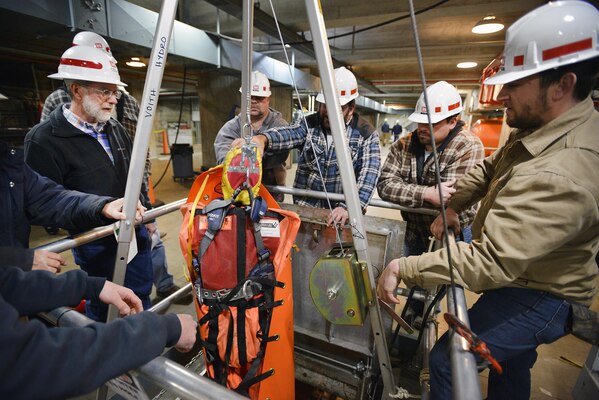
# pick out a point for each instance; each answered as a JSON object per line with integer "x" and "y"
{"x": 103, "y": 231}
{"x": 341, "y": 197}
{"x": 162, "y": 371}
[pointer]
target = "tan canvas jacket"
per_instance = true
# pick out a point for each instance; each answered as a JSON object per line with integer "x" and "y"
{"x": 538, "y": 222}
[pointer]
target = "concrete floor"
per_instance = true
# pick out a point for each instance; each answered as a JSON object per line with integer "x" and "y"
{"x": 551, "y": 377}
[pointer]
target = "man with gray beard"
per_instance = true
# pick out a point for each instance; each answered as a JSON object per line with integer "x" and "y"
{"x": 82, "y": 148}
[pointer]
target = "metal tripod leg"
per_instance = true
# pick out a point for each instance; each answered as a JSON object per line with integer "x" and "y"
{"x": 145, "y": 121}
{"x": 348, "y": 181}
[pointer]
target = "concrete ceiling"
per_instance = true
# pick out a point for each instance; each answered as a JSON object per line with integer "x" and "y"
{"x": 383, "y": 58}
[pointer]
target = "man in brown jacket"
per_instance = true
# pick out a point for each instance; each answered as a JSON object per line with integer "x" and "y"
{"x": 536, "y": 233}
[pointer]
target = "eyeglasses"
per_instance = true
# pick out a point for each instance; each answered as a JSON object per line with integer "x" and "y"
{"x": 105, "y": 94}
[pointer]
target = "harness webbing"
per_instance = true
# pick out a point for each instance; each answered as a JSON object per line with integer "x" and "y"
{"x": 256, "y": 290}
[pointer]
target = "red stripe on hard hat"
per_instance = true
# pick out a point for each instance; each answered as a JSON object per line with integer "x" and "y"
{"x": 80, "y": 63}
{"x": 518, "y": 60}
{"x": 453, "y": 106}
{"x": 567, "y": 49}
{"x": 343, "y": 93}
{"x": 353, "y": 91}
{"x": 437, "y": 109}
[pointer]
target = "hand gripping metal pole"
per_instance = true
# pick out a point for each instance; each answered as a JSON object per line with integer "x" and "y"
{"x": 348, "y": 181}
{"x": 161, "y": 371}
{"x": 145, "y": 123}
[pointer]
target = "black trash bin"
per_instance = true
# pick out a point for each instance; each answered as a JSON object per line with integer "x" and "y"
{"x": 182, "y": 156}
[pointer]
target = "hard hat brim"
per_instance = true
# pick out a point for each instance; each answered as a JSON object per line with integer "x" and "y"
{"x": 423, "y": 118}
{"x": 503, "y": 77}
{"x": 62, "y": 76}
{"x": 320, "y": 99}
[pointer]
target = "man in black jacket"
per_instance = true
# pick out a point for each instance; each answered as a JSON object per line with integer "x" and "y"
{"x": 86, "y": 357}
{"x": 29, "y": 198}
{"x": 81, "y": 147}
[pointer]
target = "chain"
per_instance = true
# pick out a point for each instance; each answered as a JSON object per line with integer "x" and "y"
{"x": 188, "y": 366}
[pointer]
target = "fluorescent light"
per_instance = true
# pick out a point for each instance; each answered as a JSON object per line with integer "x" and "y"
{"x": 488, "y": 24}
{"x": 135, "y": 62}
{"x": 467, "y": 64}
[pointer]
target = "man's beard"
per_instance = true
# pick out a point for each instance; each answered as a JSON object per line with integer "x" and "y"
{"x": 526, "y": 119}
{"x": 94, "y": 110}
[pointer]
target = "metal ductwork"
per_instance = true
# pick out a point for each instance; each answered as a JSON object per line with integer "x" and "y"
{"x": 130, "y": 23}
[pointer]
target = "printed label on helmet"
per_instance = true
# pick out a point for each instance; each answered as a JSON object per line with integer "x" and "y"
{"x": 270, "y": 227}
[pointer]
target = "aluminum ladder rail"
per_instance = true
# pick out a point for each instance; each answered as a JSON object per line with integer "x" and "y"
{"x": 348, "y": 181}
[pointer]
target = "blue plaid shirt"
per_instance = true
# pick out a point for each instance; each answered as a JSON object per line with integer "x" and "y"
{"x": 363, "y": 141}
{"x": 94, "y": 130}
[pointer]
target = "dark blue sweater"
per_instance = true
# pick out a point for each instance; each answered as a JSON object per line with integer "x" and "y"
{"x": 37, "y": 362}
{"x": 29, "y": 198}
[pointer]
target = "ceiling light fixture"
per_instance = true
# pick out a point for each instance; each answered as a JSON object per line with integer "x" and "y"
{"x": 136, "y": 62}
{"x": 467, "y": 64}
{"x": 489, "y": 24}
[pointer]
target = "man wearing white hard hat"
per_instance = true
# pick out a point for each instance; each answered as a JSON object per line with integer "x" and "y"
{"x": 262, "y": 117}
{"x": 81, "y": 147}
{"x": 318, "y": 152}
{"x": 127, "y": 110}
{"x": 61, "y": 95}
{"x": 408, "y": 175}
{"x": 536, "y": 233}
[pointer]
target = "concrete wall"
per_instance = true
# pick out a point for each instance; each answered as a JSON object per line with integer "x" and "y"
{"x": 219, "y": 94}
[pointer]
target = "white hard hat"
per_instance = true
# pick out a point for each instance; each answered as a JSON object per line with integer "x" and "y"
{"x": 92, "y": 39}
{"x": 347, "y": 86}
{"x": 444, "y": 101}
{"x": 87, "y": 64}
{"x": 260, "y": 85}
{"x": 556, "y": 34}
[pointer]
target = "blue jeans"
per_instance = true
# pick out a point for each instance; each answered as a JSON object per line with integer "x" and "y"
{"x": 97, "y": 259}
{"x": 162, "y": 279}
{"x": 512, "y": 322}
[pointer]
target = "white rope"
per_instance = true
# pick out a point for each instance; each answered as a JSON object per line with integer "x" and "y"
{"x": 402, "y": 393}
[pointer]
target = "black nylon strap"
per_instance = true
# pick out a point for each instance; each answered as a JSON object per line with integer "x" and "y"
{"x": 245, "y": 384}
{"x": 215, "y": 359}
{"x": 241, "y": 344}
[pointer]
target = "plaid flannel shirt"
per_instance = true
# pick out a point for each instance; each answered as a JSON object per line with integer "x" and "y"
{"x": 57, "y": 98}
{"x": 129, "y": 122}
{"x": 363, "y": 141}
{"x": 398, "y": 182}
